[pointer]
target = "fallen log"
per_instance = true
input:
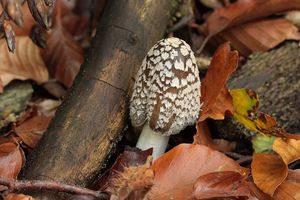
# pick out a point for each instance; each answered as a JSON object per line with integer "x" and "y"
{"x": 275, "y": 77}
{"x": 91, "y": 119}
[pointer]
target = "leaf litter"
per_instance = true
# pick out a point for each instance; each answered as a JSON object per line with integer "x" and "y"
{"x": 187, "y": 171}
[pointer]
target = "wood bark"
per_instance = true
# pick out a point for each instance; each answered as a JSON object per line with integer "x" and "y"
{"x": 92, "y": 117}
{"x": 275, "y": 77}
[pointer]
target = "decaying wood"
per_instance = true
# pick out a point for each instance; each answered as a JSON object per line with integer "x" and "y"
{"x": 92, "y": 117}
{"x": 275, "y": 77}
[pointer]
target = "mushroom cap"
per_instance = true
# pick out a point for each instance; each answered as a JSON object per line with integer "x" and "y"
{"x": 166, "y": 92}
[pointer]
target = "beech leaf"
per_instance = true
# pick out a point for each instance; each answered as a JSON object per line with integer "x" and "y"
{"x": 32, "y": 129}
{"x": 268, "y": 171}
{"x": 259, "y": 36}
{"x": 25, "y": 63}
{"x": 214, "y": 94}
{"x": 221, "y": 184}
{"x": 13, "y": 196}
{"x": 63, "y": 56}
{"x": 11, "y": 160}
{"x": 290, "y": 188}
{"x": 32, "y": 125}
{"x": 288, "y": 149}
{"x": 177, "y": 171}
{"x": 246, "y": 112}
{"x": 246, "y": 10}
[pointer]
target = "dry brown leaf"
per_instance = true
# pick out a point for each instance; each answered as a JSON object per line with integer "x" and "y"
{"x": 11, "y": 160}
{"x": 288, "y": 149}
{"x": 33, "y": 123}
{"x": 13, "y": 196}
{"x": 259, "y": 35}
{"x": 32, "y": 129}
{"x": 257, "y": 192}
{"x": 221, "y": 184}
{"x": 268, "y": 171}
{"x": 203, "y": 135}
{"x": 290, "y": 188}
{"x": 244, "y": 11}
{"x": 214, "y": 94}
{"x": 177, "y": 170}
{"x": 63, "y": 56}
{"x": 25, "y": 63}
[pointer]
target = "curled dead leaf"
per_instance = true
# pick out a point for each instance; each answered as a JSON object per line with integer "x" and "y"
{"x": 290, "y": 188}
{"x": 11, "y": 160}
{"x": 203, "y": 137}
{"x": 214, "y": 94}
{"x": 63, "y": 55}
{"x": 288, "y": 149}
{"x": 268, "y": 171}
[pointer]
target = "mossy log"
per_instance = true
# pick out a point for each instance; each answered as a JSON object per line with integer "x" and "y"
{"x": 91, "y": 119}
{"x": 275, "y": 77}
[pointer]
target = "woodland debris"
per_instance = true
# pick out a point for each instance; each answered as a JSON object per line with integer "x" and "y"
{"x": 91, "y": 119}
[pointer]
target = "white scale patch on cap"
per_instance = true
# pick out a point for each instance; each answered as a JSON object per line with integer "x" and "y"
{"x": 167, "y": 89}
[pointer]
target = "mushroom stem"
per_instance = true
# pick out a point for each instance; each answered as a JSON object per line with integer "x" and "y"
{"x": 150, "y": 139}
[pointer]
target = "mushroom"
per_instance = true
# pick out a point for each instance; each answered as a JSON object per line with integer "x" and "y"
{"x": 166, "y": 94}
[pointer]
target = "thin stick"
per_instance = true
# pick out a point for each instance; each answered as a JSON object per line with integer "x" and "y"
{"x": 49, "y": 185}
{"x": 241, "y": 159}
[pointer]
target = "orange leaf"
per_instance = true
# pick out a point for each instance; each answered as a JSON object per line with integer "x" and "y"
{"x": 214, "y": 95}
{"x": 244, "y": 11}
{"x": 32, "y": 129}
{"x": 13, "y": 196}
{"x": 11, "y": 160}
{"x": 272, "y": 32}
{"x": 288, "y": 149}
{"x": 177, "y": 171}
{"x": 221, "y": 184}
{"x": 33, "y": 123}
{"x": 63, "y": 56}
{"x": 25, "y": 63}
{"x": 257, "y": 192}
{"x": 290, "y": 188}
{"x": 203, "y": 135}
{"x": 268, "y": 171}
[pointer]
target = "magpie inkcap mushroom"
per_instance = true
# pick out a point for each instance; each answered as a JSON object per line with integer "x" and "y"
{"x": 166, "y": 94}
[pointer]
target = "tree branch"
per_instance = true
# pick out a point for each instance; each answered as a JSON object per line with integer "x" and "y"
{"x": 49, "y": 185}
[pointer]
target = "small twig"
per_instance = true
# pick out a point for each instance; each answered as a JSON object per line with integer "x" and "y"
{"x": 49, "y": 185}
{"x": 241, "y": 159}
{"x": 181, "y": 23}
{"x": 294, "y": 164}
